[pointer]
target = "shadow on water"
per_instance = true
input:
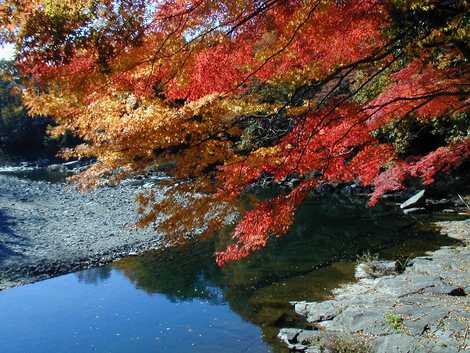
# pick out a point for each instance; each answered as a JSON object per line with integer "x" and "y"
{"x": 7, "y": 236}
{"x": 178, "y": 300}
{"x": 317, "y": 256}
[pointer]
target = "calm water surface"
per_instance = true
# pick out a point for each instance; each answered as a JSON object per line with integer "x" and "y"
{"x": 109, "y": 314}
{"x": 178, "y": 301}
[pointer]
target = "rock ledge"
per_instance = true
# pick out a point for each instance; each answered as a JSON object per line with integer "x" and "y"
{"x": 424, "y": 309}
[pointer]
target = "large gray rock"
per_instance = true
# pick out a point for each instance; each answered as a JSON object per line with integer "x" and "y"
{"x": 288, "y": 335}
{"x": 416, "y": 200}
{"x": 423, "y": 319}
{"x": 72, "y": 164}
{"x": 414, "y": 210}
{"x": 402, "y": 343}
{"x": 425, "y": 309}
{"x": 447, "y": 290}
{"x": 308, "y": 337}
{"x": 317, "y": 312}
{"x": 56, "y": 168}
{"x": 314, "y": 349}
{"x": 359, "y": 319}
{"x": 374, "y": 269}
{"x": 396, "y": 343}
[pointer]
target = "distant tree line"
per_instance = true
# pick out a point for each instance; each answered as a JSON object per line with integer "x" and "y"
{"x": 21, "y": 135}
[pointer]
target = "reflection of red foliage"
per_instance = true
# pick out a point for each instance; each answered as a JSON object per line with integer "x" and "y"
{"x": 269, "y": 217}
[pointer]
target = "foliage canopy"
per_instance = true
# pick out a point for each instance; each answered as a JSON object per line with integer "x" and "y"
{"x": 228, "y": 93}
{"x": 20, "y": 135}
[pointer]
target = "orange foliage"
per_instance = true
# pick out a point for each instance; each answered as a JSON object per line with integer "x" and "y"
{"x": 177, "y": 83}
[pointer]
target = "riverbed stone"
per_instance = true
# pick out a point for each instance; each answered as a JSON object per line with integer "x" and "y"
{"x": 374, "y": 269}
{"x": 402, "y": 343}
{"x": 425, "y": 265}
{"x": 51, "y": 229}
{"x": 414, "y": 201}
{"x": 55, "y": 168}
{"x": 289, "y": 334}
{"x": 446, "y": 290}
{"x": 422, "y": 310}
{"x": 314, "y": 349}
{"x": 414, "y": 210}
{"x": 308, "y": 336}
{"x": 290, "y": 337}
{"x": 396, "y": 343}
{"x": 357, "y": 319}
{"x": 418, "y": 324}
{"x": 316, "y": 312}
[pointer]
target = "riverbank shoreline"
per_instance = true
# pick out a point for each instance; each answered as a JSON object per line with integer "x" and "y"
{"x": 48, "y": 229}
{"x": 426, "y": 308}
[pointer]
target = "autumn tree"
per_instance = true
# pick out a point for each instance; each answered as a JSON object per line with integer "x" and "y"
{"x": 228, "y": 93}
{"x": 21, "y": 136}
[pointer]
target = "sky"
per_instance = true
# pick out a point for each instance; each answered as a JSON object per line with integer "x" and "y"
{"x": 7, "y": 52}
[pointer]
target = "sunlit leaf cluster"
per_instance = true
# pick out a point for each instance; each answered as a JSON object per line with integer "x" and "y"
{"x": 224, "y": 95}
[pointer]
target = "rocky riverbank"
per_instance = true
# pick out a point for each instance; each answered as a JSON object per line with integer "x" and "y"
{"x": 47, "y": 229}
{"x": 424, "y": 309}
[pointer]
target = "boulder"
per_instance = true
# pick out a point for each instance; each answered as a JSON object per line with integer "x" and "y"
{"x": 317, "y": 312}
{"x": 414, "y": 201}
{"x": 356, "y": 319}
{"x": 437, "y": 205}
{"x": 298, "y": 339}
{"x": 55, "y": 168}
{"x": 308, "y": 337}
{"x": 414, "y": 210}
{"x": 397, "y": 343}
{"x": 288, "y": 335}
{"x": 72, "y": 164}
{"x": 374, "y": 269}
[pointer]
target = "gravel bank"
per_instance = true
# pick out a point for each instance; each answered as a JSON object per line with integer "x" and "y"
{"x": 422, "y": 310}
{"x": 50, "y": 229}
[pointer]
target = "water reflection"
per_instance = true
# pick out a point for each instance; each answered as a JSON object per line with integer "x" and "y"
{"x": 301, "y": 266}
{"x": 94, "y": 276}
{"x": 178, "y": 300}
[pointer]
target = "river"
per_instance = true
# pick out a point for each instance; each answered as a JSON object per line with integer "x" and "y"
{"x": 178, "y": 300}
